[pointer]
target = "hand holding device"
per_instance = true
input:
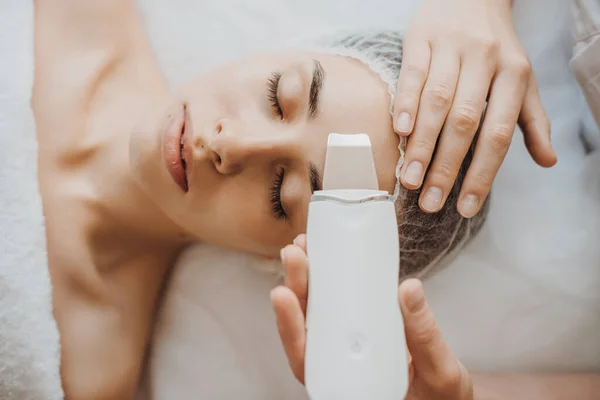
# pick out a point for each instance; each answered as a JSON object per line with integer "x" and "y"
{"x": 351, "y": 345}
{"x": 434, "y": 372}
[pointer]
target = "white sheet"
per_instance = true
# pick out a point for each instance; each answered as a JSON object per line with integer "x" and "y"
{"x": 29, "y": 352}
{"x": 525, "y": 295}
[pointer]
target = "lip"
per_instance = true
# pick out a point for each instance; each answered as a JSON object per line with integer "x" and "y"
{"x": 172, "y": 148}
{"x": 188, "y": 149}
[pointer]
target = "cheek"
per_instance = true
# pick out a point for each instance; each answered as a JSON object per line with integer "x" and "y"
{"x": 237, "y": 212}
{"x": 240, "y": 218}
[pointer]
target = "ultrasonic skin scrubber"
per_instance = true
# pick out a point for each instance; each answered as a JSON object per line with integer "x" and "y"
{"x": 355, "y": 346}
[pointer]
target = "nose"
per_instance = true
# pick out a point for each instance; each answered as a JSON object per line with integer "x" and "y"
{"x": 234, "y": 146}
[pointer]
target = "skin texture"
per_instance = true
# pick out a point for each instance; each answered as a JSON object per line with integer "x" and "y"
{"x": 457, "y": 55}
{"x": 115, "y": 218}
{"x": 239, "y": 143}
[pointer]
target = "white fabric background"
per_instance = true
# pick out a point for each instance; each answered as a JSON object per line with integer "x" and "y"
{"x": 524, "y": 296}
{"x": 28, "y": 335}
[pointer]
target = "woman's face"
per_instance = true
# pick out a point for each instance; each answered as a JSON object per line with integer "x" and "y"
{"x": 254, "y": 136}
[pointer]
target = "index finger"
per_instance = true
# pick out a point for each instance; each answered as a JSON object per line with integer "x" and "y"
{"x": 416, "y": 57}
{"x": 295, "y": 263}
{"x": 291, "y": 328}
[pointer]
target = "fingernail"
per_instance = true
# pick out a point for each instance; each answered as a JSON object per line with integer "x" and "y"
{"x": 403, "y": 123}
{"x": 432, "y": 199}
{"x": 282, "y": 255}
{"x": 468, "y": 206}
{"x": 416, "y": 300}
{"x": 295, "y": 241}
{"x": 414, "y": 173}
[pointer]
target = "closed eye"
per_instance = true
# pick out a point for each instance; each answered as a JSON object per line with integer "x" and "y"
{"x": 276, "y": 205}
{"x": 272, "y": 88}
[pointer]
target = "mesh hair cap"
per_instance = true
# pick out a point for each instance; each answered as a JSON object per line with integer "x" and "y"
{"x": 427, "y": 241}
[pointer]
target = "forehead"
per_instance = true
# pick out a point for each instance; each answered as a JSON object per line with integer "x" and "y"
{"x": 354, "y": 93}
{"x": 356, "y": 100}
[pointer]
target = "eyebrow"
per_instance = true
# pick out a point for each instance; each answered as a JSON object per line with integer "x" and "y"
{"x": 315, "y": 177}
{"x": 315, "y": 89}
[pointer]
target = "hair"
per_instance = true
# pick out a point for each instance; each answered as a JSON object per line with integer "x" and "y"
{"x": 430, "y": 241}
{"x": 427, "y": 241}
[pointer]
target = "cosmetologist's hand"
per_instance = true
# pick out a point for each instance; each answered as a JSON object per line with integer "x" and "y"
{"x": 434, "y": 372}
{"x": 458, "y": 54}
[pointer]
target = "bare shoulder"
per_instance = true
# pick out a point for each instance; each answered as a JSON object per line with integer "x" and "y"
{"x": 85, "y": 32}
{"x": 104, "y": 300}
{"x": 86, "y": 51}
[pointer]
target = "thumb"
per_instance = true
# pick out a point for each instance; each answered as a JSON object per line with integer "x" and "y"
{"x": 431, "y": 356}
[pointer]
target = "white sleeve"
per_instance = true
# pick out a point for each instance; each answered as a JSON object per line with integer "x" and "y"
{"x": 586, "y": 60}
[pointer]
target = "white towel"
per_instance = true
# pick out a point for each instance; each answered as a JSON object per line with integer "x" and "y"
{"x": 29, "y": 348}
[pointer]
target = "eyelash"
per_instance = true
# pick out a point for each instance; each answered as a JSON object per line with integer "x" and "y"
{"x": 272, "y": 86}
{"x": 276, "y": 205}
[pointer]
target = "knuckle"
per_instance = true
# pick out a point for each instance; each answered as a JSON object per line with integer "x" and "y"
{"x": 487, "y": 44}
{"x": 449, "y": 379}
{"x": 521, "y": 67}
{"x": 416, "y": 72}
{"x": 459, "y": 34}
{"x": 465, "y": 120}
{"x": 481, "y": 182}
{"x": 407, "y": 99}
{"x": 443, "y": 170}
{"x": 421, "y": 145}
{"x": 427, "y": 333}
{"x": 541, "y": 124}
{"x": 438, "y": 96}
{"x": 501, "y": 138}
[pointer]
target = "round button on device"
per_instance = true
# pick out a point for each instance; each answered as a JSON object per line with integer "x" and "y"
{"x": 358, "y": 345}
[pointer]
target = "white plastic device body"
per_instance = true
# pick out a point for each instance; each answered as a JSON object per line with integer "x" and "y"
{"x": 355, "y": 347}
